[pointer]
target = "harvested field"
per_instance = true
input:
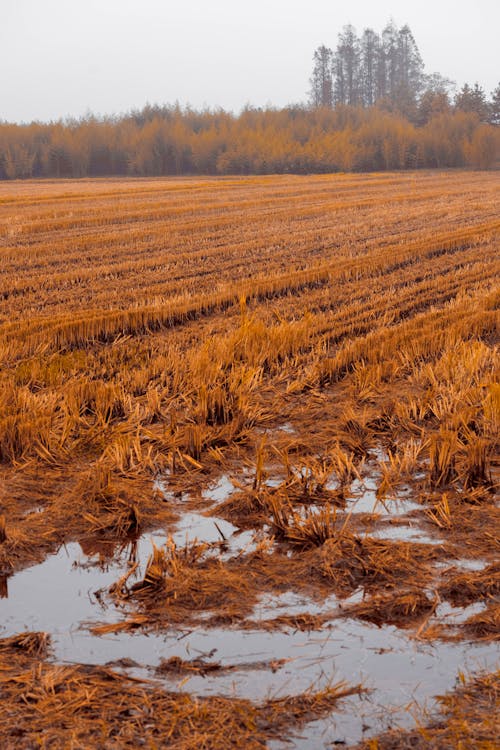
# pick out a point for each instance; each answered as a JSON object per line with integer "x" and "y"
{"x": 249, "y": 461}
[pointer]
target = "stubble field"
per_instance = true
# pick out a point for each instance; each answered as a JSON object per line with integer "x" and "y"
{"x": 249, "y": 462}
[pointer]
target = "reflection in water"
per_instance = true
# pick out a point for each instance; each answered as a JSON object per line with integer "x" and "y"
{"x": 67, "y": 594}
{"x": 107, "y": 550}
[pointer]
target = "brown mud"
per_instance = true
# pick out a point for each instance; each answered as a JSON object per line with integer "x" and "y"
{"x": 236, "y": 484}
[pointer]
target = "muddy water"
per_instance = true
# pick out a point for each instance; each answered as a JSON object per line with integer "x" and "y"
{"x": 364, "y": 500}
{"x": 66, "y": 594}
{"x": 59, "y": 596}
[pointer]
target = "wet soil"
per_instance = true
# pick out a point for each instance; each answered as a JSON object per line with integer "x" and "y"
{"x": 303, "y": 641}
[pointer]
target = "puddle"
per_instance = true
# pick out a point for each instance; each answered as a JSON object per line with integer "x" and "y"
{"x": 290, "y": 603}
{"x": 65, "y": 595}
{"x": 456, "y": 615}
{"x": 270, "y": 606}
{"x": 60, "y": 592}
{"x": 461, "y": 565}
{"x": 243, "y": 542}
{"x": 227, "y": 539}
{"x": 398, "y": 670}
{"x": 364, "y": 500}
{"x": 215, "y": 493}
{"x": 206, "y": 529}
{"x": 272, "y": 483}
{"x": 473, "y": 565}
{"x": 220, "y": 490}
{"x": 404, "y": 533}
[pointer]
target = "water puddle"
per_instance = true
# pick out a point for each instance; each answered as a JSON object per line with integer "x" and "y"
{"x": 222, "y": 536}
{"x": 404, "y": 533}
{"x": 66, "y": 588}
{"x": 66, "y": 596}
{"x": 473, "y": 565}
{"x": 205, "y": 529}
{"x": 365, "y": 501}
{"x": 214, "y": 493}
{"x": 291, "y": 603}
{"x": 456, "y": 615}
{"x": 220, "y": 490}
{"x": 396, "y": 669}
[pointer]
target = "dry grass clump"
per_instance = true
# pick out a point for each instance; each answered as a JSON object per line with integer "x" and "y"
{"x": 401, "y": 608}
{"x": 442, "y": 458}
{"x": 123, "y": 520}
{"x": 440, "y": 514}
{"x": 18, "y": 548}
{"x": 107, "y": 502}
{"x": 341, "y": 565}
{"x": 304, "y": 484}
{"x": 474, "y": 467}
{"x": 109, "y": 505}
{"x": 294, "y": 711}
{"x": 356, "y": 434}
{"x": 302, "y": 531}
{"x": 401, "y": 465}
{"x": 246, "y": 507}
{"x": 181, "y": 582}
{"x": 304, "y": 622}
{"x": 29, "y": 643}
{"x": 469, "y": 719}
{"x": 485, "y": 625}
{"x": 307, "y": 478}
{"x": 175, "y": 666}
{"x": 467, "y": 523}
{"x": 462, "y": 589}
{"x": 352, "y": 561}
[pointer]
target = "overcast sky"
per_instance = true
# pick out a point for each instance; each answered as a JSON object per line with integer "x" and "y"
{"x": 65, "y": 57}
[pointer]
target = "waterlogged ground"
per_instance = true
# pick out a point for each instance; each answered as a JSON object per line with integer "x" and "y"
{"x": 69, "y": 596}
{"x": 248, "y": 447}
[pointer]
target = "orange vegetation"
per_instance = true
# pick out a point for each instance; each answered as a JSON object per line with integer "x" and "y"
{"x": 298, "y": 334}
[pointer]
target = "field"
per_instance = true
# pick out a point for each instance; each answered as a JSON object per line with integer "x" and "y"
{"x": 249, "y": 461}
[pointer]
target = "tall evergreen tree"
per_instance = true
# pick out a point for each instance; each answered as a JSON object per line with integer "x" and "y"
{"x": 380, "y": 72}
{"x": 410, "y": 70}
{"x": 472, "y": 99}
{"x": 346, "y": 68}
{"x": 400, "y": 69}
{"x": 494, "y": 114}
{"x": 390, "y": 51}
{"x": 321, "y": 93}
{"x": 369, "y": 52}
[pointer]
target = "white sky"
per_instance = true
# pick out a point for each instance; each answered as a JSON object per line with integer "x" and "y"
{"x": 64, "y": 57}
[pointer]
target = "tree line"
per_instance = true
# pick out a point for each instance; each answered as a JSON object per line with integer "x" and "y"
{"x": 387, "y": 70}
{"x": 371, "y": 108}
